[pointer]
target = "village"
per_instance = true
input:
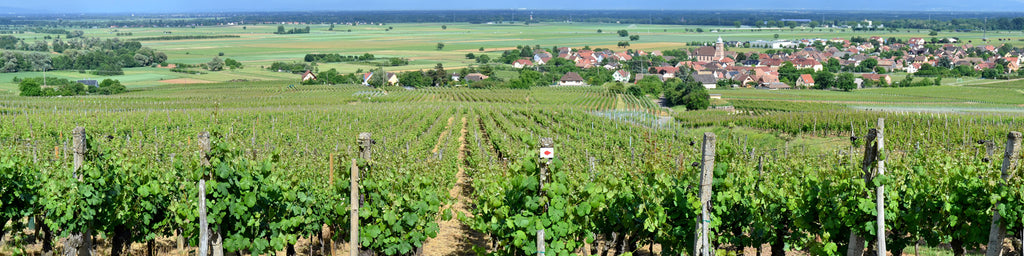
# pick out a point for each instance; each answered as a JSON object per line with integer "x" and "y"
{"x": 778, "y": 64}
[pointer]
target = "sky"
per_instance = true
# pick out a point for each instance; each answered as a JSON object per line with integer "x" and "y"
{"x": 179, "y": 6}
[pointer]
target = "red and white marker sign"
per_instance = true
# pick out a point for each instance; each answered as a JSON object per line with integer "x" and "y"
{"x": 547, "y": 153}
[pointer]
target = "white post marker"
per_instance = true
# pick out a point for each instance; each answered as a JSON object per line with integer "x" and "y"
{"x": 547, "y": 153}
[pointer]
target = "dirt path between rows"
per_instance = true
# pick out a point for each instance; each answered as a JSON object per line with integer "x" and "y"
{"x": 443, "y": 134}
{"x": 455, "y": 237}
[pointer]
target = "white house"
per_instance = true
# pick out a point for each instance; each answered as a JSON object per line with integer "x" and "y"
{"x": 621, "y": 76}
{"x": 571, "y": 79}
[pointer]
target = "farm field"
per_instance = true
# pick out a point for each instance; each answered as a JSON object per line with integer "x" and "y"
{"x": 456, "y": 170}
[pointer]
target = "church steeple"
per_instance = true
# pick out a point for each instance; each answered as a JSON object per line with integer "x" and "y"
{"x": 719, "y": 50}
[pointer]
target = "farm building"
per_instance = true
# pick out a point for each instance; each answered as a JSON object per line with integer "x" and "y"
{"x": 89, "y": 82}
{"x": 805, "y": 80}
{"x": 709, "y": 81}
{"x": 308, "y": 75}
{"x": 473, "y": 77}
{"x": 571, "y": 79}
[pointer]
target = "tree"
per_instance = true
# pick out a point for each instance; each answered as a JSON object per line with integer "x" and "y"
{"x": 414, "y": 79}
{"x": 330, "y": 28}
{"x": 867, "y": 65}
{"x": 776, "y": 36}
{"x": 845, "y": 82}
{"x": 481, "y": 49}
{"x": 216, "y": 64}
{"x": 832, "y": 65}
{"x": 623, "y": 33}
{"x": 280, "y": 29}
{"x": 651, "y": 85}
{"x": 29, "y": 87}
{"x": 232, "y": 63}
{"x": 438, "y": 75}
{"x": 470, "y": 56}
{"x": 440, "y": 46}
{"x": 634, "y": 38}
{"x": 697, "y": 100}
{"x": 813, "y": 24}
{"x": 737, "y": 24}
{"x": 377, "y": 80}
{"x": 824, "y": 80}
{"x": 483, "y": 59}
{"x": 933, "y": 33}
{"x": 444, "y": 27}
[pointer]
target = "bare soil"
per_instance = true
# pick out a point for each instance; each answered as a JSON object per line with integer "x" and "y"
{"x": 455, "y": 237}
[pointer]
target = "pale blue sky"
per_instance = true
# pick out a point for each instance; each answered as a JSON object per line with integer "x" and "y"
{"x": 163, "y": 6}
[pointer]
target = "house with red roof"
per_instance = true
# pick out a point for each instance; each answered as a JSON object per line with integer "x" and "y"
{"x": 805, "y": 80}
{"x": 621, "y": 76}
{"x": 308, "y": 75}
{"x": 571, "y": 79}
{"x": 878, "y": 78}
{"x": 522, "y": 63}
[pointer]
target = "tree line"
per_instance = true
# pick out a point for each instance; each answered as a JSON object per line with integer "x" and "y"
{"x": 64, "y": 87}
{"x": 104, "y": 57}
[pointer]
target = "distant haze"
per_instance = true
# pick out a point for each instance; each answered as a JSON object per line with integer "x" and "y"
{"x": 171, "y": 6}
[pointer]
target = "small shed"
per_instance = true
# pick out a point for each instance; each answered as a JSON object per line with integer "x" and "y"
{"x": 90, "y": 82}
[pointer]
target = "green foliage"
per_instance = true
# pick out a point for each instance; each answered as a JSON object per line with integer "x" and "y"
{"x": 216, "y": 64}
{"x": 30, "y": 88}
{"x": 415, "y": 79}
{"x": 294, "y": 67}
{"x": 20, "y": 195}
{"x": 651, "y": 84}
{"x": 64, "y": 87}
{"x": 689, "y": 93}
{"x": 845, "y": 82}
{"x": 107, "y": 87}
{"x": 824, "y": 80}
{"x": 232, "y": 63}
{"x": 282, "y": 31}
{"x": 334, "y": 57}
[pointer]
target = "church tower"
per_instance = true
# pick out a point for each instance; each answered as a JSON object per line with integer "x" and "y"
{"x": 719, "y": 50}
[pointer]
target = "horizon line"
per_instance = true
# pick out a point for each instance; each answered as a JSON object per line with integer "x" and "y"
{"x": 41, "y": 12}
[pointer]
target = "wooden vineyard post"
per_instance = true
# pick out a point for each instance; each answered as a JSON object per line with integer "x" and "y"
{"x": 880, "y": 192}
{"x": 353, "y": 238}
{"x": 204, "y": 228}
{"x": 702, "y": 238}
{"x": 204, "y": 231}
{"x": 998, "y": 232}
{"x": 328, "y": 234}
{"x": 79, "y": 244}
{"x": 365, "y": 142}
{"x": 78, "y": 144}
{"x": 547, "y": 152}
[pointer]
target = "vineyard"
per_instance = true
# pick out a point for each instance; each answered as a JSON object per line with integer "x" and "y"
{"x": 625, "y": 179}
